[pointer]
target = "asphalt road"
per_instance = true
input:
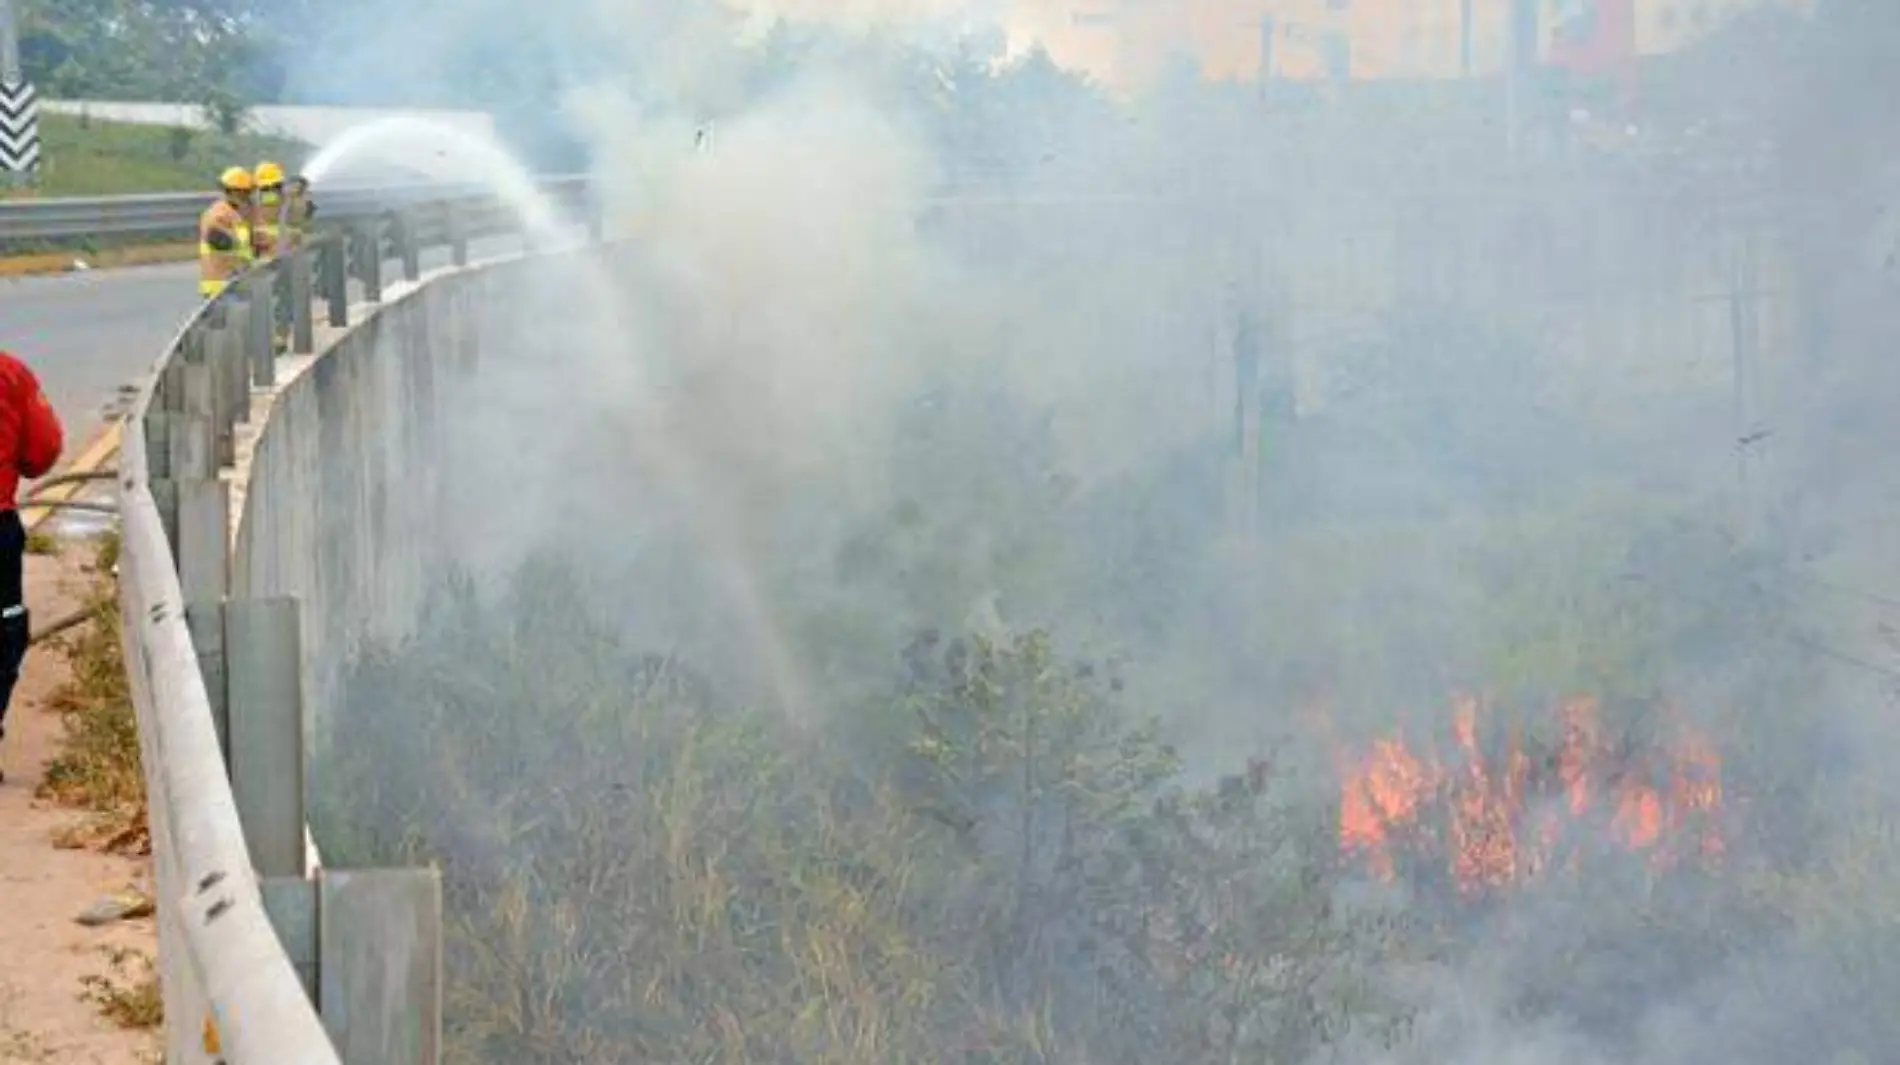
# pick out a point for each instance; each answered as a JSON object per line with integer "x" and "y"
{"x": 91, "y": 334}
{"x": 86, "y": 334}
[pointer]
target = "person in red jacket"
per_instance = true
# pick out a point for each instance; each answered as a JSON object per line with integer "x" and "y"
{"x": 30, "y": 442}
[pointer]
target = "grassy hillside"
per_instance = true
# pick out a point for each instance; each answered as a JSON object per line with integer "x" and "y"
{"x": 88, "y": 157}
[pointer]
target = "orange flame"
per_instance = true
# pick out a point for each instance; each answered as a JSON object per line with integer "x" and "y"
{"x": 1498, "y": 828}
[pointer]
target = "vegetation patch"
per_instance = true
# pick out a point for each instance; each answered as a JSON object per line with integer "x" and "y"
{"x": 128, "y": 993}
{"x": 39, "y": 542}
{"x": 97, "y": 769}
{"x": 1015, "y": 870}
{"x": 93, "y": 157}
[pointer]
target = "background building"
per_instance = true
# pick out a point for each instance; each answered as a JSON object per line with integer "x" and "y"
{"x": 1129, "y": 43}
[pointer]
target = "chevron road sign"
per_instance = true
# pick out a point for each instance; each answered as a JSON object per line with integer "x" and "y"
{"x": 19, "y": 127}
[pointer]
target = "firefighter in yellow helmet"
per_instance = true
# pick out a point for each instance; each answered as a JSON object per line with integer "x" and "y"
{"x": 224, "y": 233}
{"x": 284, "y": 209}
{"x": 275, "y": 234}
{"x": 268, "y": 236}
{"x": 299, "y": 210}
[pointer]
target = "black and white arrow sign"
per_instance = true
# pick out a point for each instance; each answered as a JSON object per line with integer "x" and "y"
{"x": 19, "y": 127}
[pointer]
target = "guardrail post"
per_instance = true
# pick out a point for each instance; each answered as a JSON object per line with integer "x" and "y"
{"x": 264, "y": 734}
{"x": 367, "y": 945}
{"x": 303, "y": 338}
{"x": 379, "y": 964}
{"x": 202, "y": 351}
{"x": 456, "y": 223}
{"x": 158, "y": 429}
{"x": 194, "y": 434}
{"x": 224, "y": 350}
{"x": 291, "y": 904}
{"x": 210, "y": 347}
{"x": 280, "y": 304}
{"x": 203, "y": 544}
{"x": 205, "y": 619}
{"x": 250, "y": 655}
{"x": 368, "y": 258}
{"x": 403, "y": 226}
{"x": 219, "y": 403}
{"x": 365, "y": 259}
{"x": 261, "y": 338}
{"x": 158, "y": 445}
{"x": 200, "y": 544}
{"x": 333, "y": 278}
{"x": 169, "y": 396}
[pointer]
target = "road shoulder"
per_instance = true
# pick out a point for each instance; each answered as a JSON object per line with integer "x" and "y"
{"x": 45, "y": 1015}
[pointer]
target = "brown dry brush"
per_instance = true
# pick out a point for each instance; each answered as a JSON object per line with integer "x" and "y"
{"x": 128, "y": 994}
{"x": 97, "y": 768}
{"x": 636, "y": 869}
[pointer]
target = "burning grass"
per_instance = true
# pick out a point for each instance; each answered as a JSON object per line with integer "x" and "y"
{"x": 1490, "y": 815}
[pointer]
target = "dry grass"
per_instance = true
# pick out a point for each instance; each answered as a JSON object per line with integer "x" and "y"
{"x": 97, "y": 768}
{"x": 42, "y": 543}
{"x": 128, "y": 993}
{"x": 637, "y": 869}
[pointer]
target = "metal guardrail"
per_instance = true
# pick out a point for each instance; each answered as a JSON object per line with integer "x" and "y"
{"x": 262, "y": 957}
{"x": 176, "y": 214}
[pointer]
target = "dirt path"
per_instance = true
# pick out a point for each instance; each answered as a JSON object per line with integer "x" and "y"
{"x": 44, "y": 953}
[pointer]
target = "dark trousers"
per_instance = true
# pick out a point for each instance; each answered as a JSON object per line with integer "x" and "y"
{"x": 15, "y": 626}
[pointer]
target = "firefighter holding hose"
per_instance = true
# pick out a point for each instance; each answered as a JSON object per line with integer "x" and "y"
{"x": 267, "y": 236}
{"x": 284, "y": 210}
{"x": 299, "y": 209}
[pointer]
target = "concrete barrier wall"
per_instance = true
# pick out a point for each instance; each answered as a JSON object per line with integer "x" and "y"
{"x": 341, "y": 504}
{"x": 268, "y": 954}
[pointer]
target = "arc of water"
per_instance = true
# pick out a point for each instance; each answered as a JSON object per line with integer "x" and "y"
{"x": 390, "y": 138}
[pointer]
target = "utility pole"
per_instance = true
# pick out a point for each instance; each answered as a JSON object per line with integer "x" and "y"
{"x": 1267, "y": 28}
{"x": 9, "y": 44}
{"x": 1522, "y": 39}
{"x": 19, "y": 106}
{"x": 1464, "y": 39}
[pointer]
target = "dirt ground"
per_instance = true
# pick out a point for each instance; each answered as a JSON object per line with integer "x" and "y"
{"x": 44, "y": 953}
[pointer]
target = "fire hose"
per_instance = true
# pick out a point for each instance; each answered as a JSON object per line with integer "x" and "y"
{"x": 68, "y": 621}
{"x": 75, "y": 618}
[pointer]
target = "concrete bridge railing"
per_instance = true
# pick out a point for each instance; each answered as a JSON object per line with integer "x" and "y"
{"x": 264, "y": 955}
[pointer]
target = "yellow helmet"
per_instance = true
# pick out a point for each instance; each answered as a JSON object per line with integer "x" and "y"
{"x": 237, "y": 179}
{"x": 269, "y": 174}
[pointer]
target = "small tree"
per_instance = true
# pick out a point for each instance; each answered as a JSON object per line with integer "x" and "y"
{"x": 227, "y": 113}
